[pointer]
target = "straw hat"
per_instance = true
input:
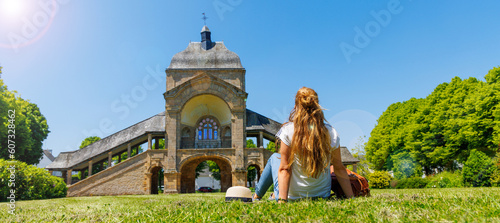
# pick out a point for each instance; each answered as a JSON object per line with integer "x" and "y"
{"x": 239, "y": 193}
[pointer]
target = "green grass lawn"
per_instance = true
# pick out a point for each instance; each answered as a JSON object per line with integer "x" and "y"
{"x": 403, "y": 205}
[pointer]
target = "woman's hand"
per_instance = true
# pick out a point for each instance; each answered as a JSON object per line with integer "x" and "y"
{"x": 284, "y": 173}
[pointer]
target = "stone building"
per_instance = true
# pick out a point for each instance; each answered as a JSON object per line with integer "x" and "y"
{"x": 205, "y": 118}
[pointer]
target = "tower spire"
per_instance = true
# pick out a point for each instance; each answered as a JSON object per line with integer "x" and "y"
{"x": 204, "y": 19}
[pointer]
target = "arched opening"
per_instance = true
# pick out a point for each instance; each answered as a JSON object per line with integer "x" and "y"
{"x": 203, "y": 117}
{"x": 157, "y": 180}
{"x": 208, "y": 177}
{"x": 253, "y": 175}
{"x": 188, "y": 173}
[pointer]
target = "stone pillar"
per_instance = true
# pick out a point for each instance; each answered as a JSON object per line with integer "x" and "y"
{"x": 172, "y": 183}
{"x": 90, "y": 168}
{"x": 68, "y": 176}
{"x": 239, "y": 143}
{"x": 128, "y": 150}
{"x": 148, "y": 183}
{"x": 355, "y": 168}
{"x": 110, "y": 159}
{"x": 150, "y": 141}
{"x": 166, "y": 141}
{"x": 157, "y": 143}
{"x": 171, "y": 119}
{"x": 260, "y": 140}
{"x": 239, "y": 178}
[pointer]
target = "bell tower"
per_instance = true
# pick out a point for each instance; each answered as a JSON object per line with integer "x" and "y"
{"x": 205, "y": 107}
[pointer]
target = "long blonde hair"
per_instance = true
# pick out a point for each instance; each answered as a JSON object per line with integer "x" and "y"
{"x": 311, "y": 139}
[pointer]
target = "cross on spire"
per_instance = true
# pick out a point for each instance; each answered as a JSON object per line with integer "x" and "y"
{"x": 204, "y": 18}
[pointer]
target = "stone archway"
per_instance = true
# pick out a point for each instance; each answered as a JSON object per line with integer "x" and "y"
{"x": 155, "y": 178}
{"x": 258, "y": 172}
{"x": 188, "y": 173}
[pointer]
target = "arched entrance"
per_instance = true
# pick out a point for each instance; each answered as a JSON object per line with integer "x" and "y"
{"x": 253, "y": 175}
{"x": 188, "y": 173}
{"x": 157, "y": 180}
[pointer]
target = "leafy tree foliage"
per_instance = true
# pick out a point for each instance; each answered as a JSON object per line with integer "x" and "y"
{"x": 441, "y": 130}
{"x": 31, "y": 182}
{"x": 30, "y": 127}
{"x": 271, "y": 146}
{"x": 89, "y": 140}
{"x": 363, "y": 167}
{"x": 478, "y": 169}
{"x": 250, "y": 144}
{"x": 212, "y": 167}
{"x": 251, "y": 175}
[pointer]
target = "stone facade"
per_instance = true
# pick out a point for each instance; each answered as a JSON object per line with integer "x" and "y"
{"x": 205, "y": 118}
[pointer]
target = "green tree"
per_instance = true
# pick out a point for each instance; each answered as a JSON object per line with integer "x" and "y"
{"x": 250, "y": 144}
{"x": 478, "y": 169}
{"x": 439, "y": 131}
{"x": 271, "y": 146}
{"x": 212, "y": 167}
{"x": 89, "y": 140}
{"x": 251, "y": 175}
{"x": 28, "y": 127}
{"x": 405, "y": 166}
{"x": 363, "y": 167}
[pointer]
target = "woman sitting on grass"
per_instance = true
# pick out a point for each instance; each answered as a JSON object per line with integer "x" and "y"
{"x": 308, "y": 147}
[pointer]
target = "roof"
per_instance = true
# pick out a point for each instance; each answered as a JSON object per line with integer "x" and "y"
{"x": 49, "y": 155}
{"x": 256, "y": 121}
{"x": 195, "y": 57}
{"x": 347, "y": 156}
{"x": 69, "y": 159}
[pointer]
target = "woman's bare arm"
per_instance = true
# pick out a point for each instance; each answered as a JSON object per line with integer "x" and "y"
{"x": 341, "y": 173}
{"x": 284, "y": 172}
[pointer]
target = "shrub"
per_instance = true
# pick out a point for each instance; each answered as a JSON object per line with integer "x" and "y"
{"x": 446, "y": 179}
{"x": 478, "y": 169}
{"x": 379, "y": 179}
{"x": 30, "y": 182}
{"x": 495, "y": 177}
{"x": 412, "y": 182}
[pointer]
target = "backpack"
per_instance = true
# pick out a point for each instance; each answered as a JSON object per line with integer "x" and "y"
{"x": 359, "y": 185}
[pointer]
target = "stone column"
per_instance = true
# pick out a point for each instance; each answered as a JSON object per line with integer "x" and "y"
{"x": 148, "y": 183}
{"x": 90, "y": 168}
{"x": 260, "y": 140}
{"x": 128, "y": 150}
{"x": 172, "y": 183}
{"x": 150, "y": 143}
{"x": 171, "y": 119}
{"x": 355, "y": 168}
{"x": 157, "y": 143}
{"x": 110, "y": 159}
{"x": 68, "y": 176}
{"x": 166, "y": 141}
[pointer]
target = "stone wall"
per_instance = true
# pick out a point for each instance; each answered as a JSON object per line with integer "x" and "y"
{"x": 127, "y": 177}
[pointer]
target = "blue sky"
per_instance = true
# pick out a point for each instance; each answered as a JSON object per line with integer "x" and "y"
{"x": 84, "y": 60}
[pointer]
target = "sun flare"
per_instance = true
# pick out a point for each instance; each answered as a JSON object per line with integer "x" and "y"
{"x": 12, "y": 8}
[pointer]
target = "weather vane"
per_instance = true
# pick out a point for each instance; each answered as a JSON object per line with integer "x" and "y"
{"x": 204, "y": 18}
